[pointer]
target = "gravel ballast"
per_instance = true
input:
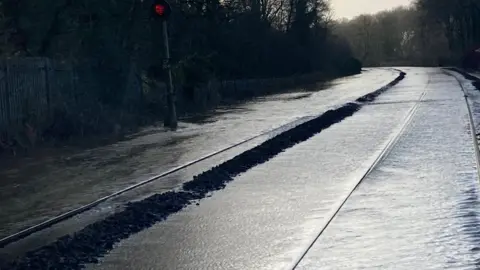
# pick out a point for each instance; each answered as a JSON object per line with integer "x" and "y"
{"x": 95, "y": 240}
{"x": 466, "y": 75}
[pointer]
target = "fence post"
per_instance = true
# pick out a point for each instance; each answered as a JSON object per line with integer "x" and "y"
{"x": 7, "y": 93}
{"x": 73, "y": 82}
{"x": 47, "y": 87}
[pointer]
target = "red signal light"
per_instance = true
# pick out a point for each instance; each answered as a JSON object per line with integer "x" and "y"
{"x": 160, "y": 9}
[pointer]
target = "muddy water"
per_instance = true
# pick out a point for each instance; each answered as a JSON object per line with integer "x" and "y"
{"x": 37, "y": 188}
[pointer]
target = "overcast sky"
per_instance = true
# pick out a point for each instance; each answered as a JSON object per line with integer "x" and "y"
{"x": 351, "y": 8}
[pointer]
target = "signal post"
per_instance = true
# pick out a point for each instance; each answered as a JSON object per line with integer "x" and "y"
{"x": 161, "y": 11}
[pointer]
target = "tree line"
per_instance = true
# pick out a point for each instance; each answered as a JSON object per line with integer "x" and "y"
{"x": 210, "y": 40}
{"x": 429, "y": 32}
{"x": 228, "y": 39}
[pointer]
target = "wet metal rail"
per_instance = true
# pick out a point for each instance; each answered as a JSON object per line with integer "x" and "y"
{"x": 470, "y": 117}
{"x": 64, "y": 216}
{"x": 341, "y": 202}
{"x": 385, "y": 151}
{"x": 59, "y": 218}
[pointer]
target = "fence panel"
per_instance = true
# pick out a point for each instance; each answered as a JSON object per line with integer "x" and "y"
{"x": 4, "y": 97}
{"x": 61, "y": 85}
{"x": 29, "y": 89}
{"x": 33, "y": 89}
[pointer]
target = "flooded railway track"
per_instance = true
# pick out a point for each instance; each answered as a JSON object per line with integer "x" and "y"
{"x": 214, "y": 179}
{"x": 376, "y": 164}
{"x": 389, "y": 145}
{"x": 59, "y": 218}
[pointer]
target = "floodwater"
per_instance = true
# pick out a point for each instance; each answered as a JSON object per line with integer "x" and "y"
{"x": 37, "y": 188}
{"x": 418, "y": 209}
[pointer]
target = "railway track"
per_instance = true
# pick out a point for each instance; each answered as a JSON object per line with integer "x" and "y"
{"x": 470, "y": 114}
{"x": 59, "y": 218}
{"x": 384, "y": 153}
{"x": 161, "y": 205}
{"x": 386, "y": 149}
{"x": 69, "y": 214}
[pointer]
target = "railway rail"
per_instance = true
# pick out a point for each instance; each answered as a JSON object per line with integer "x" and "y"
{"x": 69, "y": 214}
{"x": 470, "y": 114}
{"x": 59, "y": 218}
{"x": 271, "y": 133}
{"x": 384, "y": 152}
{"x": 389, "y": 145}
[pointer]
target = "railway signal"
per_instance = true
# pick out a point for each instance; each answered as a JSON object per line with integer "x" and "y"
{"x": 161, "y": 11}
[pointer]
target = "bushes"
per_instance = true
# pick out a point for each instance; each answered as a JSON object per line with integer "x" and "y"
{"x": 471, "y": 60}
{"x": 351, "y": 66}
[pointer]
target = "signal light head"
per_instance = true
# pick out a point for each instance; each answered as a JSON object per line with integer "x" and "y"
{"x": 161, "y": 9}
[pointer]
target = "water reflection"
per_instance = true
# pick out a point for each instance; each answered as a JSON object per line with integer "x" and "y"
{"x": 56, "y": 180}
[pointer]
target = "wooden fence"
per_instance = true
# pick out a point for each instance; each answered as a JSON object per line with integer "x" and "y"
{"x": 31, "y": 89}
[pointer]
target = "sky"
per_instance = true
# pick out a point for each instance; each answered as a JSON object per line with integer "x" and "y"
{"x": 351, "y": 8}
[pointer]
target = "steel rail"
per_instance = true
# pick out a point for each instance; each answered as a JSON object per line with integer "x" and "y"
{"x": 384, "y": 153}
